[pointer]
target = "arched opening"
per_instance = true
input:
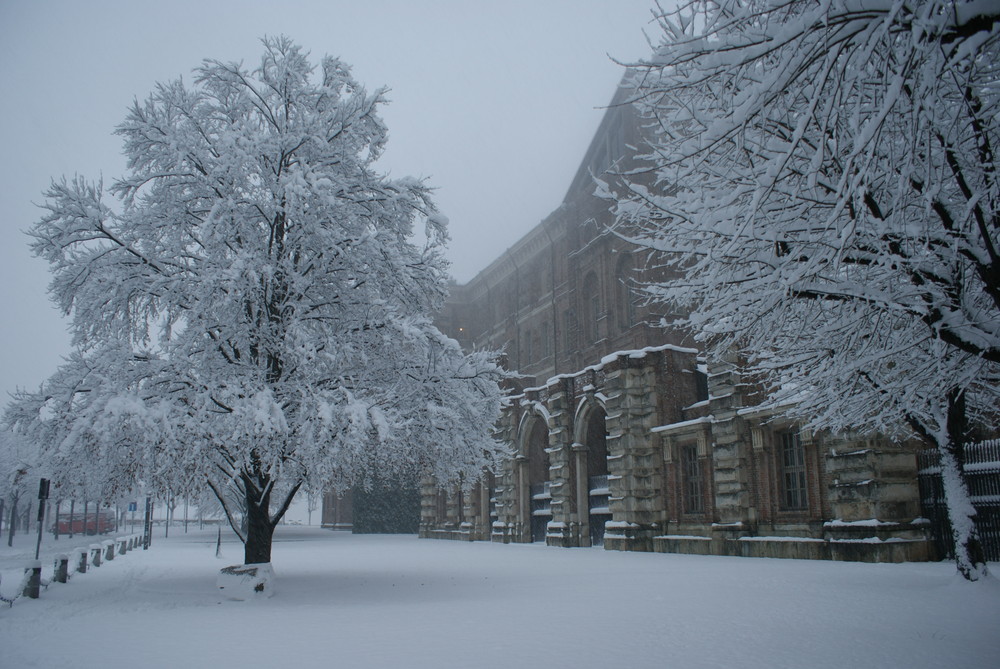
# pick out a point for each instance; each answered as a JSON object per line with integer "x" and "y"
{"x": 598, "y": 492}
{"x": 540, "y": 507}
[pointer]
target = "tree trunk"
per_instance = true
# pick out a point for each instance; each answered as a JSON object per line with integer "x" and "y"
{"x": 12, "y": 523}
{"x": 969, "y": 555}
{"x": 260, "y": 530}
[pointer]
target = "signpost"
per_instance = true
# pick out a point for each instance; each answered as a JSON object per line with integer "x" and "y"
{"x": 147, "y": 529}
{"x": 43, "y": 494}
{"x": 35, "y": 578}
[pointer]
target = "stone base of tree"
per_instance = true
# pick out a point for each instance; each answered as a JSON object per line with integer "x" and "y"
{"x": 246, "y": 581}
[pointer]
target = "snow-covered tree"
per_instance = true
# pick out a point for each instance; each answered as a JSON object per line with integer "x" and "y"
{"x": 253, "y": 306}
{"x": 18, "y": 458}
{"x": 823, "y": 187}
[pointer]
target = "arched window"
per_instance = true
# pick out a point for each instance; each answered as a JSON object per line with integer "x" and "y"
{"x": 538, "y": 458}
{"x": 624, "y": 295}
{"x": 597, "y": 443}
{"x": 591, "y": 307}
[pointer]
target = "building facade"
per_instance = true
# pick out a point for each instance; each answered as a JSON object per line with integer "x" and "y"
{"x": 621, "y": 436}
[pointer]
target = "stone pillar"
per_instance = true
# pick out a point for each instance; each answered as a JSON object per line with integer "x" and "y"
{"x": 483, "y": 526}
{"x": 506, "y": 490}
{"x": 428, "y": 506}
{"x": 522, "y": 528}
{"x": 33, "y": 587}
{"x": 873, "y": 494}
{"x": 564, "y": 527}
{"x": 61, "y": 569}
{"x": 81, "y": 564}
{"x": 731, "y": 454}
{"x": 634, "y": 461}
{"x": 582, "y": 494}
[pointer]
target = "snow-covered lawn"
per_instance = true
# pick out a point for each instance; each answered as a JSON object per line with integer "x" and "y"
{"x": 396, "y": 601}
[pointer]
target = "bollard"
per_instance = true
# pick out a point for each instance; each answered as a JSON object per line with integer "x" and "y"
{"x": 61, "y": 569}
{"x": 109, "y": 549}
{"x": 95, "y": 555}
{"x": 34, "y": 579}
{"x": 122, "y": 545}
{"x": 81, "y": 565}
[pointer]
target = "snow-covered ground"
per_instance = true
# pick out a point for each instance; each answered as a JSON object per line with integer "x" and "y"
{"x": 396, "y": 601}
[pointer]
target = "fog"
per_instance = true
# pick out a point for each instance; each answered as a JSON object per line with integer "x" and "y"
{"x": 493, "y": 102}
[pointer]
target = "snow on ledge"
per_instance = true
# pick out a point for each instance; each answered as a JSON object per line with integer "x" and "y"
{"x": 785, "y": 539}
{"x": 608, "y": 359}
{"x": 683, "y": 424}
{"x": 871, "y": 522}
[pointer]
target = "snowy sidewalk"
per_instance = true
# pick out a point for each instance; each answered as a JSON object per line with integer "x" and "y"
{"x": 394, "y": 601}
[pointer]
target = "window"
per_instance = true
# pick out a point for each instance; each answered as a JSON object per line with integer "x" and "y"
{"x": 694, "y": 501}
{"x": 793, "y": 471}
{"x": 569, "y": 328}
{"x": 625, "y": 306}
{"x": 591, "y": 307}
{"x": 545, "y": 343}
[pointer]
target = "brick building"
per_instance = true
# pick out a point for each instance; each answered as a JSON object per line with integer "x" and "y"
{"x": 621, "y": 436}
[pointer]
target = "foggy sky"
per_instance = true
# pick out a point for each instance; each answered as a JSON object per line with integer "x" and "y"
{"x": 493, "y": 101}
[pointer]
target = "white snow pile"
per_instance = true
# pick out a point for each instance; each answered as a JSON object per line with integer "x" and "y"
{"x": 246, "y": 581}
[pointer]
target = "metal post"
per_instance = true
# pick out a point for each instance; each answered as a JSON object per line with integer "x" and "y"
{"x": 43, "y": 494}
{"x": 147, "y": 529}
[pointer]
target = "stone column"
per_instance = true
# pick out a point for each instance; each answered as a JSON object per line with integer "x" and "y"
{"x": 564, "y": 528}
{"x": 582, "y": 494}
{"x": 522, "y": 529}
{"x": 730, "y": 454}
{"x": 428, "y": 506}
{"x": 634, "y": 462}
{"x": 873, "y": 494}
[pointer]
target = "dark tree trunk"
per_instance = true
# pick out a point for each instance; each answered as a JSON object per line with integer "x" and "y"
{"x": 12, "y": 523}
{"x": 260, "y": 530}
{"x": 970, "y": 558}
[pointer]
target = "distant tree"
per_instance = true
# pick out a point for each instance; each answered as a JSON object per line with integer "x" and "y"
{"x": 824, "y": 189}
{"x": 257, "y": 307}
{"x": 17, "y": 460}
